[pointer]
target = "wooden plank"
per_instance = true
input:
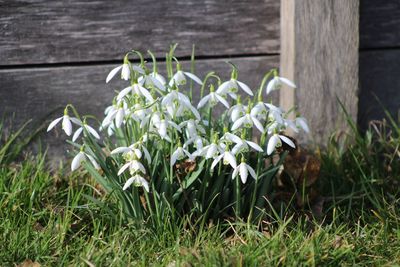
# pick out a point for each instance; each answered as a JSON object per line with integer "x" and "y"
{"x": 379, "y": 77}
{"x": 379, "y": 23}
{"x": 320, "y": 53}
{"x": 35, "y": 93}
{"x": 43, "y": 31}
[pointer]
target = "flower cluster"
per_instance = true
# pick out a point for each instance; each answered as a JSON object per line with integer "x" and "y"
{"x": 156, "y": 115}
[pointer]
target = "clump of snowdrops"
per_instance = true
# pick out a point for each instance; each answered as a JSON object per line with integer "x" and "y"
{"x": 164, "y": 155}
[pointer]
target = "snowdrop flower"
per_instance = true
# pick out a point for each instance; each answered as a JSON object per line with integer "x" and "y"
{"x": 197, "y": 141}
{"x": 134, "y": 166}
{"x": 275, "y": 113}
{"x": 210, "y": 151}
{"x": 137, "y": 180}
{"x": 125, "y": 72}
{"x": 232, "y": 86}
{"x": 302, "y": 123}
{"x": 137, "y": 89}
{"x": 212, "y": 98}
{"x": 81, "y": 156}
{"x": 162, "y": 127}
{"x": 248, "y": 120}
{"x": 228, "y": 158}
{"x": 243, "y": 170}
{"x": 192, "y": 128}
{"x": 237, "y": 111}
{"x": 259, "y": 110}
{"x": 179, "y": 154}
{"x": 276, "y": 83}
{"x": 179, "y": 77}
{"x": 176, "y": 103}
{"x": 276, "y": 140}
{"x": 135, "y": 148}
{"x": 244, "y": 146}
{"x": 230, "y": 138}
{"x": 153, "y": 79}
{"x": 88, "y": 128}
{"x": 66, "y": 123}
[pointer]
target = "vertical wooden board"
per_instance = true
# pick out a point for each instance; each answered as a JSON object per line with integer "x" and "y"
{"x": 325, "y": 62}
{"x": 35, "y": 93}
{"x": 379, "y": 23}
{"x": 43, "y": 31}
{"x": 379, "y": 77}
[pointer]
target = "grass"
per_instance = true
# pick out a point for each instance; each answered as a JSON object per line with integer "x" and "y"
{"x": 46, "y": 217}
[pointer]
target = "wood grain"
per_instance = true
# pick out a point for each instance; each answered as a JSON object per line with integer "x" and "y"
{"x": 37, "y": 92}
{"x": 324, "y": 61}
{"x": 379, "y": 23}
{"x": 43, "y": 31}
{"x": 379, "y": 77}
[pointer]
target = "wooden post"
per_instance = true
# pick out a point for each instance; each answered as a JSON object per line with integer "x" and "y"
{"x": 319, "y": 52}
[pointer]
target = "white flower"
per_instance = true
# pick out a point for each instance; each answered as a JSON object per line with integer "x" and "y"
{"x": 88, "y": 128}
{"x": 179, "y": 78}
{"x": 134, "y": 166}
{"x": 180, "y": 153}
{"x": 302, "y": 123}
{"x": 276, "y": 140}
{"x": 66, "y": 124}
{"x": 136, "y": 149}
{"x": 210, "y": 151}
{"x": 275, "y": 113}
{"x": 237, "y": 111}
{"x": 228, "y": 158}
{"x": 137, "y": 89}
{"x": 81, "y": 156}
{"x": 231, "y": 138}
{"x": 137, "y": 180}
{"x": 232, "y": 86}
{"x": 176, "y": 103}
{"x": 125, "y": 73}
{"x": 244, "y": 146}
{"x": 276, "y": 83}
{"x": 162, "y": 128}
{"x": 259, "y": 110}
{"x": 192, "y": 128}
{"x": 243, "y": 170}
{"x": 153, "y": 79}
{"x": 248, "y": 121}
{"x": 212, "y": 98}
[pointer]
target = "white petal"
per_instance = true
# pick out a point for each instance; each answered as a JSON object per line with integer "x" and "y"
{"x": 66, "y": 125}
{"x": 125, "y": 73}
{"x": 119, "y": 118}
{"x": 273, "y": 141}
{"x": 230, "y": 159}
{"x": 243, "y": 172}
{"x": 53, "y": 123}
{"x": 157, "y": 83}
{"x": 251, "y": 171}
{"x": 235, "y": 172}
{"x": 92, "y": 131}
{"x": 193, "y": 77}
{"x": 123, "y": 168}
{"x": 124, "y": 92}
{"x": 222, "y": 100}
{"x": 94, "y": 162}
{"x": 144, "y": 183}
{"x": 238, "y": 123}
{"x": 224, "y": 88}
{"x": 258, "y": 124}
{"x": 112, "y": 73}
{"x": 303, "y": 124}
{"x": 76, "y": 134}
{"x": 271, "y": 85}
{"x": 146, "y": 93}
{"x": 287, "y": 82}
{"x": 287, "y": 141}
{"x": 216, "y": 160}
{"x": 245, "y": 88}
{"x": 128, "y": 183}
{"x": 76, "y": 162}
{"x": 233, "y": 138}
{"x": 174, "y": 157}
{"x": 122, "y": 149}
{"x": 203, "y": 101}
{"x": 255, "y": 146}
{"x": 146, "y": 154}
{"x": 212, "y": 149}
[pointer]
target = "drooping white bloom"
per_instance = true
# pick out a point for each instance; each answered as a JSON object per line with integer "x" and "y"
{"x": 301, "y": 122}
{"x": 136, "y": 89}
{"x": 176, "y": 103}
{"x": 259, "y": 110}
{"x": 137, "y": 180}
{"x": 179, "y": 78}
{"x": 243, "y": 170}
{"x": 248, "y": 121}
{"x": 228, "y": 158}
{"x": 276, "y": 140}
{"x": 179, "y": 154}
{"x": 162, "y": 128}
{"x": 212, "y": 98}
{"x": 192, "y": 128}
{"x": 125, "y": 71}
{"x": 134, "y": 166}
{"x": 237, "y": 111}
{"x": 232, "y": 86}
{"x": 276, "y": 83}
{"x": 66, "y": 124}
{"x": 81, "y": 156}
{"x": 244, "y": 146}
{"x": 210, "y": 151}
{"x": 275, "y": 113}
{"x": 153, "y": 79}
{"x": 80, "y": 130}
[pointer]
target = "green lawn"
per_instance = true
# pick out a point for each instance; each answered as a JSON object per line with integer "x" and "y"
{"x": 47, "y": 218}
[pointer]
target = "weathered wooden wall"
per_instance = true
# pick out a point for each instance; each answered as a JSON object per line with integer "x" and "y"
{"x": 58, "y": 52}
{"x": 379, "y": 59}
